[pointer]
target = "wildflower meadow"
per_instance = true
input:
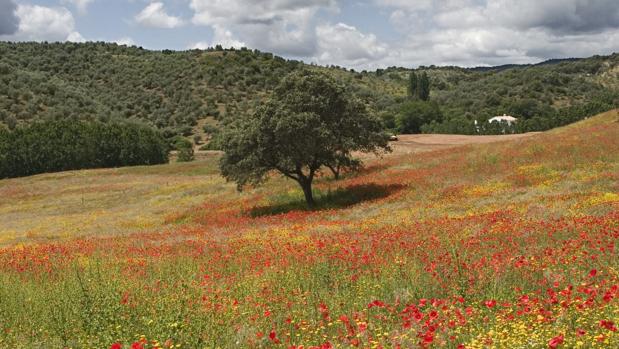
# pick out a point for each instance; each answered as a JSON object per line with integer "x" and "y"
{"x": 502, "y": 245}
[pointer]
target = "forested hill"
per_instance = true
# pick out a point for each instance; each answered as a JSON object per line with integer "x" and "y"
{"x": 177, "y": 91}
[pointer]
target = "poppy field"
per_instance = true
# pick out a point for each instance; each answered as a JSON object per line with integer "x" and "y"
{"x": 502, "y": 245}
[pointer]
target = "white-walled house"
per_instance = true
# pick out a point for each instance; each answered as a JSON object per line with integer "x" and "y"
{"x": 507, "y": 118}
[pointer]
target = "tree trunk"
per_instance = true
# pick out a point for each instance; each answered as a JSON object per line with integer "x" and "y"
{"x": 307, "y": 190}
{"x": 335, "y": 171}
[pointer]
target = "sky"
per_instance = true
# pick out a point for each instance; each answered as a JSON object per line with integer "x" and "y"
{"x": 364, "y": 34}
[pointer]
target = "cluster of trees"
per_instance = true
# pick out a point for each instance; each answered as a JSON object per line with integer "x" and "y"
{"x": 410, "y": 114}
{"x": 49, "y": 146}
{"x": 541, "y": 96}
{"x": 527, "y": 122}
{"x": 419, "y": 87}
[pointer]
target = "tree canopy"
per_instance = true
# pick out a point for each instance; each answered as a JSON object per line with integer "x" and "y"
{"x": 311, "y": 122}
{"x": 60, "y": 145}
{"x": 414, "y": 114}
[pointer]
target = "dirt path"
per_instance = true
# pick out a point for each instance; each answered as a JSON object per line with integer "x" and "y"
{"x": 425, "y": 142}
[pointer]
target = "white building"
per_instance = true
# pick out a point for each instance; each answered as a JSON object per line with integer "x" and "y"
{"x": 507, "y": 118}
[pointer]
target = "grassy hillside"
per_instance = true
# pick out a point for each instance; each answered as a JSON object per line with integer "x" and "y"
{"x": 181, "y": 91}
{"x": 509, "y": 244}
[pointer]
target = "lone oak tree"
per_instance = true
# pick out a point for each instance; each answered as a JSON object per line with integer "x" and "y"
{"x": 310, "y": 122}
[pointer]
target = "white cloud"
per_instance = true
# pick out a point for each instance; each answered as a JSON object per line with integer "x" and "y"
{"x": 39, "y": 23}
{"x": 221, "y": 37}
{"x": 154, "y": 15}
{"x": 286, "y": 27}
{"x": 345, "y": 45}
{"x": 125, "y": 41}
{"x": 81, "y": 5}
{"x": 75, "y": 37}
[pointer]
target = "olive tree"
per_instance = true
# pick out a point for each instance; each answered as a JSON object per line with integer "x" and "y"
{"x": 310, "y": 122}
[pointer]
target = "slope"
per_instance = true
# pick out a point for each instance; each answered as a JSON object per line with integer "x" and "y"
{"x": 177, "y": 91}
{"x": 507, "y": 244}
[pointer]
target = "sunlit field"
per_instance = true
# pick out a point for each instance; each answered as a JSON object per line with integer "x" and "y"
{"x": 510, "y": 244}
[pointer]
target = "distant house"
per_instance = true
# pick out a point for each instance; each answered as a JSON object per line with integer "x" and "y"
{"x": 507, "y": 118}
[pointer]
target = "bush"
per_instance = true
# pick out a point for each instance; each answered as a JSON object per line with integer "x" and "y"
{"x": 185, "y": 150}
{"x": 52, "y": 146}
{"x": 414, "y": 114}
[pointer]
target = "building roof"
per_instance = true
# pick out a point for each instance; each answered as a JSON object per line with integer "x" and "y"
{"x": 504, "y": 117}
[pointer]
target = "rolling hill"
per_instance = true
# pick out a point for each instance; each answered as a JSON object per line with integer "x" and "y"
{"x": 180, "y": 92}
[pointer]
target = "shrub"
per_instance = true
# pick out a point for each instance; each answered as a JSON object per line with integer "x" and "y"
{"x": 52, "y": 146}
{"x": 414, "y": 114}
{"x": 185, "y": 150}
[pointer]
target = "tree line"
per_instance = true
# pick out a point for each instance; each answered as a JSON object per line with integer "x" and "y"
{"x": 60, "y": 145}
{"x": 526, "y": 123}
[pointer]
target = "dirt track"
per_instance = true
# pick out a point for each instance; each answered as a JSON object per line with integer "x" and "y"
{"x": 425, "y": 142}
{"x": 407, "y": 144}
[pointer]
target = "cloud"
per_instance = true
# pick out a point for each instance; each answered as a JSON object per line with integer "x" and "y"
{"x": 221, "y": 37}
{"x": 81, "y": 5}
{"x": 154, "y": 15}
{"x": 40, "y": 23}
{"x": 345, "y": 45}
{"x": 8, "y": 19}
{"x": 560, "y": 16}
{"x": 491, "y": 32}
{"x": 286, "y": 27}
{"x": 125, "y": 41}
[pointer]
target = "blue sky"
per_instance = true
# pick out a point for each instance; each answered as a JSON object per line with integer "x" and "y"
{"x": 364, "y": 34}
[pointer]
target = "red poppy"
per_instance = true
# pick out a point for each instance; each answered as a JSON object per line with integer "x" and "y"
{"x": 376, "y": 303}
{"x": 137, "y": 345}
{"x": 609, "y": 325}
{"x": 490, "y": 303}
{"x": 116, "y": 346}
{"x": 555, "y": 342}
{"x": 428, "y": 337}
{"x": 593, "y": 272}
{"x": 273, "y": 337}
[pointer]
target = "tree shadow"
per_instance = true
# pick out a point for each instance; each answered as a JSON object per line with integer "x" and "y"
{"x": 339, "y": 198}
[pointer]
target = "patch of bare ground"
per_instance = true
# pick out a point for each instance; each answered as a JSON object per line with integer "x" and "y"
{"x": 426, "y": 142}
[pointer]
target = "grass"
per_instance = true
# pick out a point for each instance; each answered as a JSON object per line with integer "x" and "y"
{"x": 509, "y": 244}
{"x": 102, "y": 202}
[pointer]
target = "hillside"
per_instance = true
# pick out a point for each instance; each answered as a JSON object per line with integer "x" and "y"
{"x": 506, "y": 244}
{"x": 542, "y": 91}
{"x": 171, "y": 90}
{"x": 180, "y": 92}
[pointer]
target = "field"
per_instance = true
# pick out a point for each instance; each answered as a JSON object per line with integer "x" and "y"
{"x": 509, "y": 244}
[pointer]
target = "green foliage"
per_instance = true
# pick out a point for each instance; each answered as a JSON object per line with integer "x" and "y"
{"x": 210, "y": 129}
{"x": 541, "y": 121}
{"x": 540, "y": 96}
{"x": 93, "y": 81}
{"x": 50, "y": 146}
{"x": 310, "y": 122}
{"x": 414, "y": 114}
{"x": 458, "y": 125}
{"x": 173, "y": 90}
{"x": 185, "y": 150}
{"x": 418, "y": 87}
{"x": 423, "y": 88}
{"x": 412, "y": 85}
